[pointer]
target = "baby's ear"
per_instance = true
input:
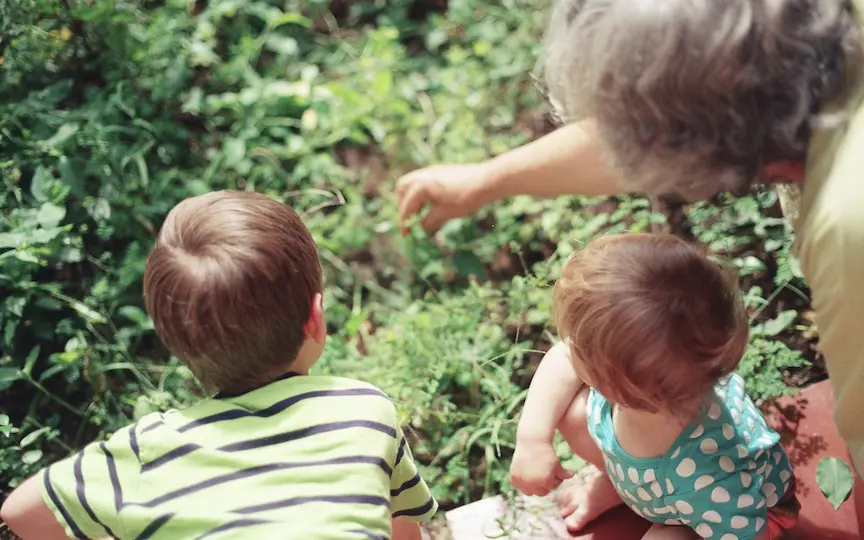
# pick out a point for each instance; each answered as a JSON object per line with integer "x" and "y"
{"x": 316, "y": 326}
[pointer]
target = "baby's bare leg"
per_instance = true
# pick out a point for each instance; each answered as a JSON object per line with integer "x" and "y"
{"x": 667, "y": 532}
{"x": 574, "y": 428}
{"x": 591, "y": 493}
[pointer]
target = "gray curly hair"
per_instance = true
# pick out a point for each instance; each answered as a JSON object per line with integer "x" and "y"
{"x": 694, "y": 97}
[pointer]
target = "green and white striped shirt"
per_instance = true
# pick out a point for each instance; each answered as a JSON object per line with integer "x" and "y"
{"x": 304, "y": 457}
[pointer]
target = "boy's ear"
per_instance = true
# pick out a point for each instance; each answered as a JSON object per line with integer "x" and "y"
{"x": 316, "y": 327}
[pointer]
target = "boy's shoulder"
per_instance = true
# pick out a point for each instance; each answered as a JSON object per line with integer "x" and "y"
{"x": 311, "y": 392}
{"x": 338, "y": 382}
{"x": 329, "y": 384}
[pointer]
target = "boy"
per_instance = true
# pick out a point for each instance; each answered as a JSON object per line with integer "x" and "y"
{"x": 234, "y": 289}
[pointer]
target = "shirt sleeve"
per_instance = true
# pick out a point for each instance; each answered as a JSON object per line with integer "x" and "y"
{"x": 410, "y": 497}
{"x": 834, "y": 266}
{"x": 831, "y": 236}
{"x": 85, "y": 490}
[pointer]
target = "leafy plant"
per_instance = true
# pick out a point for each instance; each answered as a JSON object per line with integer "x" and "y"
{"x": 762, "y": 367}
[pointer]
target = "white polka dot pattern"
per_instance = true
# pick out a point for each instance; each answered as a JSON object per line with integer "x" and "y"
{"x": 746, "y": 501}
{"x": 649, "y": 475}
{"x": 719, "y": 477}
{"x": 712, "y": 516}
{"x": 708, "y": 446}
{"x": 703, "y": 481}
{"x": 720, "y": 495}
{"x": 684, "y": 507}
{"x": 704, "y": 530}
{"x": 686, "y": 468}
{"x": 739, "y": 522}
{"x": 714, "y": 412}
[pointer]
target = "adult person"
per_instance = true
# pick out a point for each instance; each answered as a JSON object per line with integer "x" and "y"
{"x": 694, "y": 98}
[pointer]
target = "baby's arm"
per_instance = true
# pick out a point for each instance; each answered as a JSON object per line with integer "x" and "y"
{"x": 27, "y": 515}
{"x": 536, "y": 469}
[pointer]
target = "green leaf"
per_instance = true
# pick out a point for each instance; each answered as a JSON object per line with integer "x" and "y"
{"x": 835, "y": 480}
{"x": 383, "y": 83}
{"x": 134, "y": 314}
{"x": 235, "y": 150}
{"x": 202, "y": 54}
{"x": 8, "y": 375}
{"x": 70, "y": 254}
{"x": 291, "y": 18}
{"x": 776, "y": 325}
{"x": 88, "y": 14}
{"x": 31, "y": 437}
{"x": 468, "y": 264}
{"x": 11, "y": 240}
{"x": 39, "y": 236}
{"x": 31, "y": 361}
{"x": 41, "y": 183}
{"x": 63, "y": 134}
{"x": 50, "y": 215}
{"x": 4, "y": 420}
{"x": 53, "y": 370}
{"x": 100, "y": 210}
{"x": 26, "y": 256}
{"x": 281, "y": 44}
{"x": 32, "y": 456}
{"x": 88, "y": 313}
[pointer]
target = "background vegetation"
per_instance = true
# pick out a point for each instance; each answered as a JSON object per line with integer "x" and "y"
{"x": 112, "y": 111}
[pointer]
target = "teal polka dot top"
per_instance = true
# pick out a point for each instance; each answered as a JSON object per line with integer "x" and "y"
{"x": 720, "y": 477}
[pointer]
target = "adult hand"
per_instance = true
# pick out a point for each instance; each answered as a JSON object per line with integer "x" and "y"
{"x": 535, "y": 469}
{"x": 451, "y": 190}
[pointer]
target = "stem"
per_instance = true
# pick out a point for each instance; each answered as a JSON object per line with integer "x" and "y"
{"x": 57, "y": 441}
{"x": 63, "y": 403}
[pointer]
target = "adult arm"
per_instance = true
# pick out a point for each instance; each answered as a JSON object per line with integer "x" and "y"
{"x": 570, "y": 160}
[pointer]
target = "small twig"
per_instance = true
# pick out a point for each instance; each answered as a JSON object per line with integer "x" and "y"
{"x": 63, "y": 403}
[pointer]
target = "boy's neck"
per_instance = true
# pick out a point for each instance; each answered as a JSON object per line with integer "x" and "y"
{"x": 307, "y": 356}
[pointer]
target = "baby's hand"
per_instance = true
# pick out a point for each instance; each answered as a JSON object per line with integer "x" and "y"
{"x": 535, "y": 469}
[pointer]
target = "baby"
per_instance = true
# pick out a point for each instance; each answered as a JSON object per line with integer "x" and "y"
{"x": 643, "y": 388}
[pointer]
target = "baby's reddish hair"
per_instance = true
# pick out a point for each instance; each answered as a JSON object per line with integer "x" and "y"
{"x": 651, "y": 322}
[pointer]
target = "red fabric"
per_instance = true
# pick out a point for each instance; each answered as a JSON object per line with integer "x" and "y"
{"x": 784, "y": 515}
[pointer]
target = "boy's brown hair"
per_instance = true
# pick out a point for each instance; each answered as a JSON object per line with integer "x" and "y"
{"x": 650, "y": 321}
{"x": 230, "y": 285}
